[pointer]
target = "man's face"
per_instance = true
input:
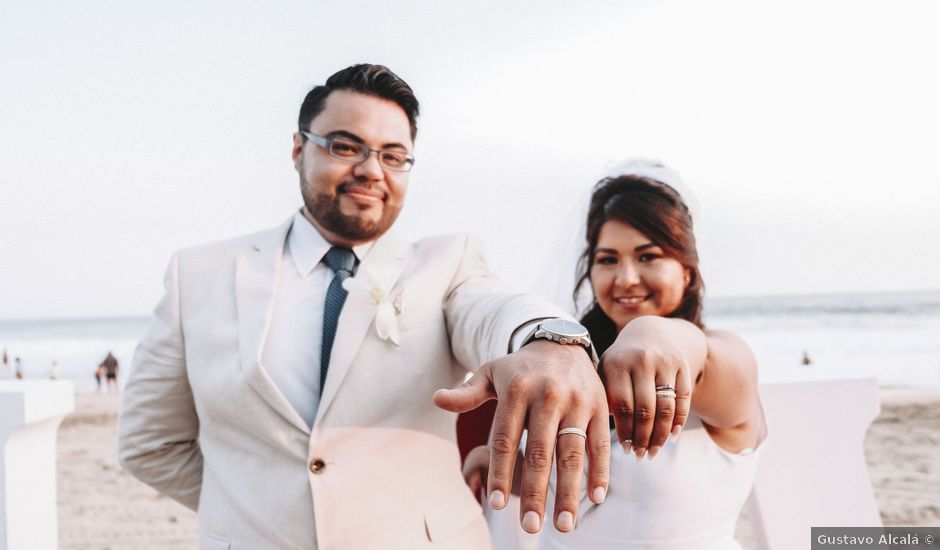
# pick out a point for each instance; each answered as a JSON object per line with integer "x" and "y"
{"x": 353, "y": 203}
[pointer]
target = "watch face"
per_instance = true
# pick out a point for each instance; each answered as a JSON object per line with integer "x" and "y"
{"x": 564, "y": 327}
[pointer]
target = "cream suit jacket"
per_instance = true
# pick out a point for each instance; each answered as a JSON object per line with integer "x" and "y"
{"x": 203, "y": 422}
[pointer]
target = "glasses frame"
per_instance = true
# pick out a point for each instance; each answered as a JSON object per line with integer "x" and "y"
{"x": 327, "y": 143}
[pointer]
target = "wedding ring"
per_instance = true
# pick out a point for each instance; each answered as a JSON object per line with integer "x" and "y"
{"x": 665, "y": 387}
{"x": 668, "y": 394}
{"x": 575, "y": 431}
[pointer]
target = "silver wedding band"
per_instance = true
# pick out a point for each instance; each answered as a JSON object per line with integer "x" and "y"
{"x": 574, "y": 431}
{"x": 666, "y": 391}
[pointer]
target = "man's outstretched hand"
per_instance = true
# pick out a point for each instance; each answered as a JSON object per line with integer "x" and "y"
{"x": 554, "y": 386}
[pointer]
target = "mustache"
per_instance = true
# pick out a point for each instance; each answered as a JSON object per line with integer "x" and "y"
{"x": 359, "y": 186}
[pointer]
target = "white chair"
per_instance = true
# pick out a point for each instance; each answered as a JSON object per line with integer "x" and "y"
{"x": 30, "y": 414}
{"x": 812, "y": 467}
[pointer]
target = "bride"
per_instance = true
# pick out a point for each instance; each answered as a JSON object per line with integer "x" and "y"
{"x": 683, "y": 398}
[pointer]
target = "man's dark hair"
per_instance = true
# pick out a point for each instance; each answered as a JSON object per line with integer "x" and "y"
{"x": 374, "y": 80}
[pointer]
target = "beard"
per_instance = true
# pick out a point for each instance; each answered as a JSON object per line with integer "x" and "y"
{"x": 325, "y": 209}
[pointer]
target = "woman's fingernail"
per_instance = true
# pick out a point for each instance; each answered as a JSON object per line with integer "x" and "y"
{"x": 599, "y": 495}
{"x": 531, "y": 522}
{"x": 675, "y": 432}
{"x": 565, "y": 521}
{"x": 653, "y": 452}
{"x": 640, "y": 453}
{"x": 627, "y": 445}
{"x": 497, "y": 499}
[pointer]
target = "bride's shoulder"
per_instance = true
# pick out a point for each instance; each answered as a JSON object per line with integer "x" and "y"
{"x": 727, "y": 349}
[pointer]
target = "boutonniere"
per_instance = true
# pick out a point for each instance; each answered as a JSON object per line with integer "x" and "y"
{"x": 378, "y": 284}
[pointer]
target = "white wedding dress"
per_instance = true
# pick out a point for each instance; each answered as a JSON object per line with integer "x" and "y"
{"x": 687, "y": 498}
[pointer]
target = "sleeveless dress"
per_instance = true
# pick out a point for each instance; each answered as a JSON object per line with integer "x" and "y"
{"x": 688, "y": 498}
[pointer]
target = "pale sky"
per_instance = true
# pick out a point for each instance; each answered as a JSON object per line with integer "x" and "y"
{"x": 808, "y": 130}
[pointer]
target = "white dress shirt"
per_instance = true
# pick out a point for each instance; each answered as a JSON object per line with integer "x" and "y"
{"x": 291, "y": 353}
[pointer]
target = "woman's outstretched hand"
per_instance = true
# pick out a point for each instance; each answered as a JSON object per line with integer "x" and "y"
{"x": 652, "y": 352}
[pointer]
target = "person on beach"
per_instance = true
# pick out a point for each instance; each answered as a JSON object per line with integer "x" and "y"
{"x": 6, "y": 361}
{"x": 100, "y": 373}
{"x": 665, "y": 375}
{"x": 109, "y": 366}
{"x": 18, "y": 368}
{"x": 284, "y": 389}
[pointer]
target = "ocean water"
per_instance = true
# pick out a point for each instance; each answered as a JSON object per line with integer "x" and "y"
{"x": 77, "y": 345}
{"x": 893, "y": 336}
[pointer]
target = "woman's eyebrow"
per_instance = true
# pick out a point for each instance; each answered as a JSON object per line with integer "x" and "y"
{"x": 644, "y": 247}
{"x": 605, "y": 251}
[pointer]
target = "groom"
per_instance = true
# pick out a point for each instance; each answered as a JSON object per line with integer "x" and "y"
{"x": 284, "y": 389}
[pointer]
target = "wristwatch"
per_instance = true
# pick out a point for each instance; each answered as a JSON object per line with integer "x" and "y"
{"x": 564, "y": 332}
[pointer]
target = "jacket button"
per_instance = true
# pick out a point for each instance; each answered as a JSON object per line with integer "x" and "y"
{"x": 317, "y": 466}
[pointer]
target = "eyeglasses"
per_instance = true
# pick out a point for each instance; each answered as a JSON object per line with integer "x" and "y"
{"x": 355, "y": 152}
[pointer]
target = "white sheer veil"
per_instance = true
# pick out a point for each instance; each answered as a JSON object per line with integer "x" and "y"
{"x": 560, "y": 268}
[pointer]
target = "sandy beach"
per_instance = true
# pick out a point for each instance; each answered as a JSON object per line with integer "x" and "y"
{"x": 102, "y": 507}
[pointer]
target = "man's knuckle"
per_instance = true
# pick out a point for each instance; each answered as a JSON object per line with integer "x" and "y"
{"x": 517, "y": 388}
{"x": 567, "y": 497}
{"x": 532, "y": 494}
{"x": 600, "y": 447}
{"x": 570, "y": 461}
{"x": 552, "y": 392}
{"x": 576, "y": 400}
{"x": 600, "y": 473}
{"x": 538, "y": 458}
{"x": 503, "y": 444}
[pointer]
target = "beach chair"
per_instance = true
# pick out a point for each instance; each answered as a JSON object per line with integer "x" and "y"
{"x": 812, "y": 467}
{"x": 30, "y": 414}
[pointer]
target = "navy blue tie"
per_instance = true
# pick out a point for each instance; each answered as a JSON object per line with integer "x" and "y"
{"x": 343, "y": 263}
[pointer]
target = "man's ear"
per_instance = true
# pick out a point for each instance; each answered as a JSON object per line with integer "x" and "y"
{"x": 297, "y": 152}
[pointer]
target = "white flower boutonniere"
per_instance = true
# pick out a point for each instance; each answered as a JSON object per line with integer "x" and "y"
{"x": 378, "y": 284}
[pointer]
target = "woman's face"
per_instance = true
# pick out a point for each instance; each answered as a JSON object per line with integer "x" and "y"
{"x": 632, "y": 277}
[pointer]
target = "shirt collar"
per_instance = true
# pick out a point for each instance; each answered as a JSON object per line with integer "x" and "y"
{"x": 307, "y": 246}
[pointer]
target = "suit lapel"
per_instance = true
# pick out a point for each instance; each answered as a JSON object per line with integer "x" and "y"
{"x": 388, "y": 256}
{"x": 256, "y": 273}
